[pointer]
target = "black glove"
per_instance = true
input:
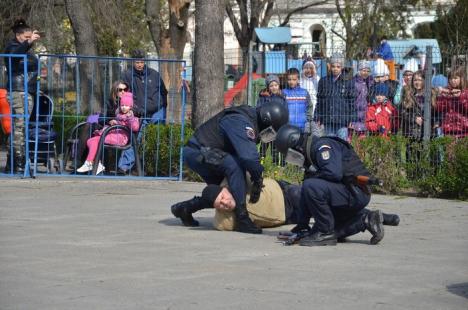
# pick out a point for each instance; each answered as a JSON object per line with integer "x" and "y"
{"x": 255, "y": 191}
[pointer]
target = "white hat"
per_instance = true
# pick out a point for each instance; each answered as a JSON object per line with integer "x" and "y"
{"x": 411, "y": 65}
{"x": 380, "y": 68}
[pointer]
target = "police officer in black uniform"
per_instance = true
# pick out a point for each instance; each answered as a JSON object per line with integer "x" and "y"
{"x": 331, "y": 192}
{"x": 225, "y": 146}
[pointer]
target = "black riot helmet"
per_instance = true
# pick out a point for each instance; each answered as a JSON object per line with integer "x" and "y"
{"x": 271, "y": 116}
{"x": 288, "y": 137}
{"x": 289, "y": 141}
{"x": 274, "y": 114}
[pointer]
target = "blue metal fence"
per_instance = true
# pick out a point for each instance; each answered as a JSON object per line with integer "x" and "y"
{"x": 71, "y": 107}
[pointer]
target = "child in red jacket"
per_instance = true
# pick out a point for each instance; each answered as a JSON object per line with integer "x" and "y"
{"x": 380, "y": 112}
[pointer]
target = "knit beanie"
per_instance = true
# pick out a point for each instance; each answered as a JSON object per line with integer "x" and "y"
{"x": 381, "y": 89}
{"x": 210, "y": 193}
{"x": 364, "y": 64}
{"x": 127, "y": 99}
{"x": 337, "y": 58}
{"x": 272, "y": 78}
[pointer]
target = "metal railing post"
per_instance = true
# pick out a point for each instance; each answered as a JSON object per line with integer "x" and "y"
{"x": 249, "y": 84}
{"x": 428, "y": 95}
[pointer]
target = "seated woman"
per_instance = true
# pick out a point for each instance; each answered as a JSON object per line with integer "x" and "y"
{"x": 453, "y": 102}
{"x": 98, "y": 120}
{"x": 124, "y": 116}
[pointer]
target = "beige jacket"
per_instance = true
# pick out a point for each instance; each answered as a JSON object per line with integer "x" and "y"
{"x": 267, "y": 212}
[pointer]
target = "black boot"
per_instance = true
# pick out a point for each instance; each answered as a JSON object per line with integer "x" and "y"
{"x": 374, "y": 224}
{"x": 184, "y": 210}
{"x": 391, "y": 219}
{"x": 243, "y": 222}
{"x": 319, "y": 238}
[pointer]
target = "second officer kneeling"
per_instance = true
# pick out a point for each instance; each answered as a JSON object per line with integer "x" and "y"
{"x": 330, "y": 192}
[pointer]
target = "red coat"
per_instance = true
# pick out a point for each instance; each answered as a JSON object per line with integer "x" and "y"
{"x": 455, "y": 119}
{"x": 380, "y": 118}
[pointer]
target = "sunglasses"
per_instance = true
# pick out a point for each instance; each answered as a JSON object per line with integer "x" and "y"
{"x": 122, "y": 89}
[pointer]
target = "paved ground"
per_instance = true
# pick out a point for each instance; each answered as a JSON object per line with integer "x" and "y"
{"x": 108, "y": 244}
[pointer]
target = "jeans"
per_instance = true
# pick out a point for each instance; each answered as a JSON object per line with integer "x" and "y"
{"x": 127, "y": 159}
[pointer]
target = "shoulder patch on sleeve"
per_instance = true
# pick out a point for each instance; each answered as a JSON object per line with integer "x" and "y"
{"x": 325, "y": 154}
{"x": 250, "y": 133}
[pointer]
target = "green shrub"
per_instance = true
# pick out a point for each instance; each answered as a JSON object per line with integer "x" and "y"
{"x": 449, "y": 177}
{"x": 385, "y": 159}
{"x": 438, "y": 167}
{"x": 160, "y": 149}
{"x": 275, "y": 170}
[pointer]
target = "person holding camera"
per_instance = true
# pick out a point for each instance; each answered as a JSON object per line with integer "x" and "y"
{"x": 24, "y": 38}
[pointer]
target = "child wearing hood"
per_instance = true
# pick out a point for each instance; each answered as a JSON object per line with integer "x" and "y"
{"x": 309, "y": 80}
{"x": 125, "y": 117}
{"x": 380, "y": 114}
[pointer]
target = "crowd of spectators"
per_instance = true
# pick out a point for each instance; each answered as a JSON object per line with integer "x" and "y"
{"x": 374, "y": 101}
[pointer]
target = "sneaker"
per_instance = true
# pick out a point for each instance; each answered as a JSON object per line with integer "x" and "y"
{"x": 87, "y": 166}
{"x": 100, "y": 168}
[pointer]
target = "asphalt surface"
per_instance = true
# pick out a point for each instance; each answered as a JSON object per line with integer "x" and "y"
{"x": 73, "y": 243}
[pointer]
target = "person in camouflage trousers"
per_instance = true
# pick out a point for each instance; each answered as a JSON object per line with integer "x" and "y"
{"x": 20, "y": 44}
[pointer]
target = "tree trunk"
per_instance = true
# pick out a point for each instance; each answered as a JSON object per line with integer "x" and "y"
{"x": 85, "y": 43}
{"x": 208, "y": 60}
{"x": 153, "y": 11}
{"x": 170, "y": 44}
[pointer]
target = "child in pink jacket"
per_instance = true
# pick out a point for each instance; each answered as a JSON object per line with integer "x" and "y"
{"x": 124, "y": 116}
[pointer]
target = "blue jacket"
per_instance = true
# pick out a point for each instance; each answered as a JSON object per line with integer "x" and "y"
{"x": 385, "y": 51}
{"x": 336, "y": 102}
{"x": 299, "y": 106}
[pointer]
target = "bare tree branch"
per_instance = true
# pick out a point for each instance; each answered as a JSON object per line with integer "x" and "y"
{"x": 234, "y": 23}
{"x": 338, "y": 34}
{"x": 340, "y": 10}
{"x": 268, "y": 12}
{"x": 299, "y": 9}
